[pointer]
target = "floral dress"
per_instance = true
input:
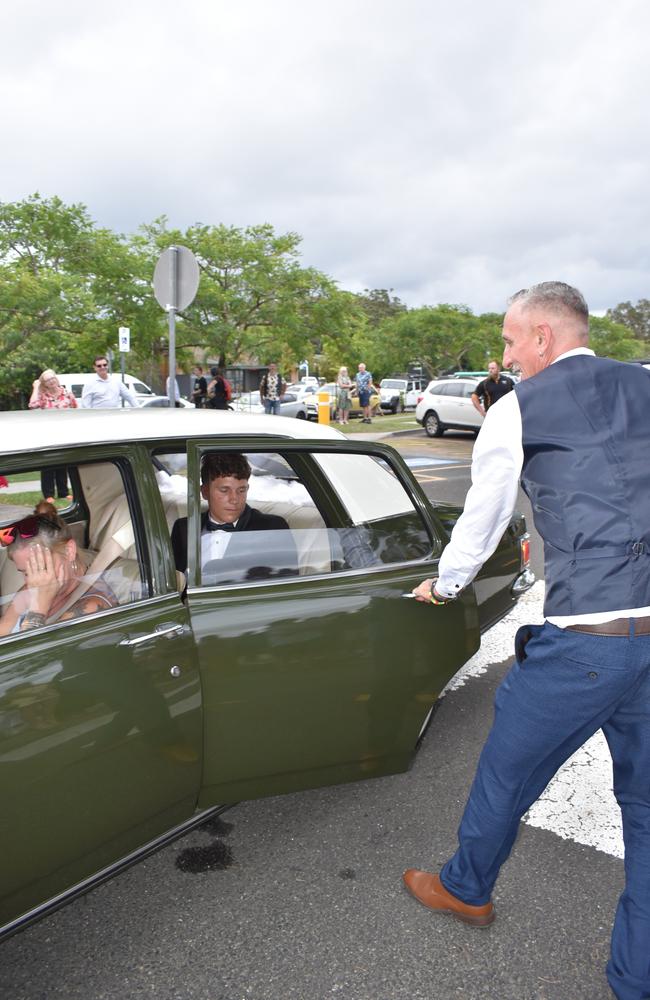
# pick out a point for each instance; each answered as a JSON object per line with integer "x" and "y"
{"x": 344, "y": 384}
{"x": 61, "y": 400}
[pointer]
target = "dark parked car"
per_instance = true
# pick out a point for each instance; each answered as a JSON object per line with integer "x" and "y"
{"x": 123, "y": 726}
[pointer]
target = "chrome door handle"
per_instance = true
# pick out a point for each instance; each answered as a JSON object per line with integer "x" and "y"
{"x": 162, "y": 630}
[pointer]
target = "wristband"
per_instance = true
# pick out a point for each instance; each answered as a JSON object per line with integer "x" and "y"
{"x": 32, "y": 619}
{"x": 433, "y": 599}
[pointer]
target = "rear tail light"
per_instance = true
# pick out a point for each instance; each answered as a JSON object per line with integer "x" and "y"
{"x": 524, "y": 549}
{"x": 420, "y": 398}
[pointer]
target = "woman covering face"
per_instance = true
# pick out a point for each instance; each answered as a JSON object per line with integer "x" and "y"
{"x": 49, "y": 394}
{"x": 41, "y": 548}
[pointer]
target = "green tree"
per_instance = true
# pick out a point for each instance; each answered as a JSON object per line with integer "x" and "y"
{"x": 440, "y": 337}
{"x": 612, "y": 340}
{"x": 379, "y": 305}
{"x": 65, "y": 287}
{"x": 635, "y": 317}
{"x": 255, "y": 299}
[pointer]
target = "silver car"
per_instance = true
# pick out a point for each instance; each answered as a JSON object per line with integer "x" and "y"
{"x": 290, "y": 405}
{"x": 163, "y": 401}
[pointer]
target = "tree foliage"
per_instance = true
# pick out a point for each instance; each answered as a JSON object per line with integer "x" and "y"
{"x": 66, "y": 285}
{"x": 612, "y": 340}
{"x": 254, "y": 297}
{"x": 441, "y": 338}
{"x": 636, "y": 318}
{"x": 379, "y": 305}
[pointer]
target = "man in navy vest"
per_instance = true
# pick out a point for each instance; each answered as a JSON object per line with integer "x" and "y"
{"x": 575, "y": 432}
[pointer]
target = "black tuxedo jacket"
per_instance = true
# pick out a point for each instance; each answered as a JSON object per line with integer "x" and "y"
{"x": 248, "y": 557}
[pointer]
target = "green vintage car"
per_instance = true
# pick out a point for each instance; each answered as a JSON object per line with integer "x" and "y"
{"x": 123, "y": 726}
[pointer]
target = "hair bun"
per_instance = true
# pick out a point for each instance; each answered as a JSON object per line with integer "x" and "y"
{"x": 48, "y": 510}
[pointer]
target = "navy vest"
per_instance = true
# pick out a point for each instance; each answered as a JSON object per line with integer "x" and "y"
{"x": 586, "y": 441}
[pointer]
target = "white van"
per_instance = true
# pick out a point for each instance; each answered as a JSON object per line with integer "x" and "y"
{"x": 76, "y": 381}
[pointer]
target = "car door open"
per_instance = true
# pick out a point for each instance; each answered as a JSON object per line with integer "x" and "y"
{"x": 325, "y": 674}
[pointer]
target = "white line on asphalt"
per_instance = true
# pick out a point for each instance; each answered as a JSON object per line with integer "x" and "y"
{"x": 578, "y": 804}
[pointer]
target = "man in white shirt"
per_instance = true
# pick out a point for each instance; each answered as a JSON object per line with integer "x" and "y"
{"x": 575, "y": 431}
{"x": 103, "y": 392}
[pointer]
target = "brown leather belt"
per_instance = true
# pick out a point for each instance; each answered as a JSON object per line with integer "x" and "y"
{"x": 619, "y": 626}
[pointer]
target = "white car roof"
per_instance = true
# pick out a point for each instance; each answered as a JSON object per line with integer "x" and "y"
{"x": 39, "y": 430}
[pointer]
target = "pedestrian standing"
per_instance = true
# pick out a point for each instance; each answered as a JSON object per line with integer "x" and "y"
{"x": 49, "y": 394}
{"x": 200, "y": 387}
{"x": 575, "y": 430}
{"x": 272, "y": 388}
{"x": 363, "y": 379}
{"x": 343, "y": 387}
{"x": 491, "y": 388}
{"x": 218, "y": 390}
{"x": 103, "y": 391}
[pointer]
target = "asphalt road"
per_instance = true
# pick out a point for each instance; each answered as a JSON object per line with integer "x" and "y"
{"x": 299, "y": 897}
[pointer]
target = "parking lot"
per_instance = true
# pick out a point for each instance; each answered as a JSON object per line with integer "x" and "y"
{"x": 299, "y": 896}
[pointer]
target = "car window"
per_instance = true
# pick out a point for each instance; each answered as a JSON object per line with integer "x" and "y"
{"x": 95, "y": 560}
{"x": 382, "y": 525}
{"x": 306, "y": 515}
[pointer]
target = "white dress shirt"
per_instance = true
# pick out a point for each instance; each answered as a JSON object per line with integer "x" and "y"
{"x": 105, "y": 393}
{"x": 497, "y": 462}
{"x": 214, "y": 543}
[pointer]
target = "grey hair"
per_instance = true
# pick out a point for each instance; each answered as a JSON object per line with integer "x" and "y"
{"x": 556, "y": 296}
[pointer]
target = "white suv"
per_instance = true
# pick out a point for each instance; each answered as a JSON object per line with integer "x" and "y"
{"x": 398, "y": 394}
{"x": 447, "y": 404}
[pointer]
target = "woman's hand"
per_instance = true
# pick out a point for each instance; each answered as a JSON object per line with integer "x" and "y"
{"x": 42, "y": 580}
{"x": 35, "y": 398}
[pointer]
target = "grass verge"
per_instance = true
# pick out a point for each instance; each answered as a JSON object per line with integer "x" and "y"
{"x": 380, "y": 425}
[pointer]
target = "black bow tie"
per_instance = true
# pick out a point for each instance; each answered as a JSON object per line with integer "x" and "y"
{"x": 211, "y": 526}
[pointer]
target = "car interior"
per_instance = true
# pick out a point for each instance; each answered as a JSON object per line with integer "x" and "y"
{"x": 99, "y": 520}
{"x": 344, "y": 512}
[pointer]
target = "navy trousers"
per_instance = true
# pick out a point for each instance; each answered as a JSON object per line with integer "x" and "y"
{"x": 563, "y": 687}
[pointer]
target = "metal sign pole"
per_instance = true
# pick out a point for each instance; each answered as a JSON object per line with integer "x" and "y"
{"x": 173, "y": 304}
{"x": 124, "y": 338}
{"x": 175, "y": 281}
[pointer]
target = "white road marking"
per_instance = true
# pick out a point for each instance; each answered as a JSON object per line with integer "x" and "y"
{"x": 578, "y": 804}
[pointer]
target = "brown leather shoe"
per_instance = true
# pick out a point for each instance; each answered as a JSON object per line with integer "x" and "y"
{"x": 429, "y": 890}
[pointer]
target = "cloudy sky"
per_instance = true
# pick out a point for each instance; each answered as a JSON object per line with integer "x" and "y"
{"x": 451, "y": 151}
